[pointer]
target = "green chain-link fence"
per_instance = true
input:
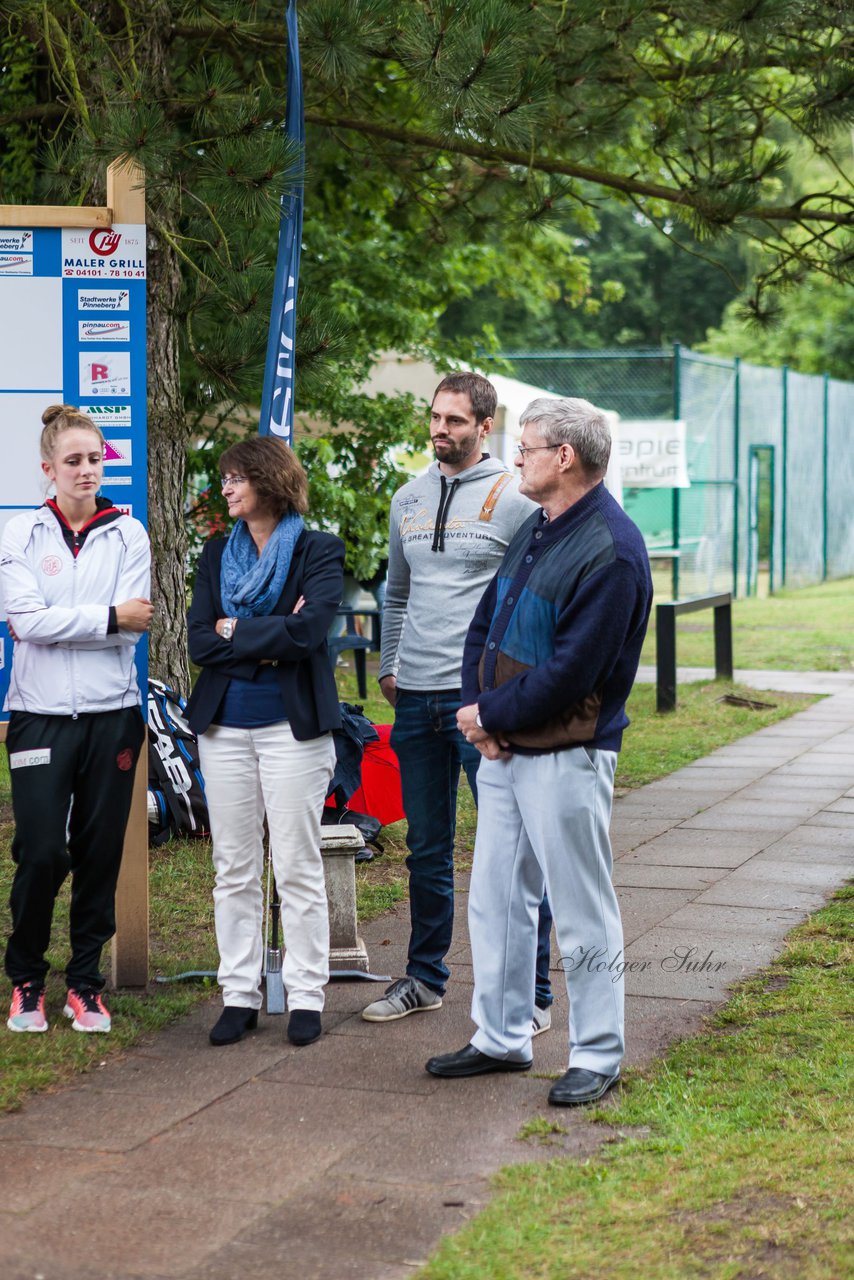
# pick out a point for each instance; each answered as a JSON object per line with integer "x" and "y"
{"x": 770, "y": 459}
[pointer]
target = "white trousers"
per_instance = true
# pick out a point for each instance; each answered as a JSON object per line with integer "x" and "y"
{"x": 248, "y": 772}
{"x": 542, "y": 823}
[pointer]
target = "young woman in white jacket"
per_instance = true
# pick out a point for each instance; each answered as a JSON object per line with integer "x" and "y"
{"x": 75, "y": 577}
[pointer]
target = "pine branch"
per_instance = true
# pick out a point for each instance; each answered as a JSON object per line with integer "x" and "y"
{"x": 681, "y": 197}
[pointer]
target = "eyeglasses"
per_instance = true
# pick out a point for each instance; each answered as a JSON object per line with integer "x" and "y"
{"x": 228, "y": 481}
{"x": 522, "y": 449}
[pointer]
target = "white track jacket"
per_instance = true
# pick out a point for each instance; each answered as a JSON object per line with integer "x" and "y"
{"x": 64, "y": 662}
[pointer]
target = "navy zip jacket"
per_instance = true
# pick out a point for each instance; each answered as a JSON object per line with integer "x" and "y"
{"x": 553, "y": 649}
{"x": 295, "y": 643}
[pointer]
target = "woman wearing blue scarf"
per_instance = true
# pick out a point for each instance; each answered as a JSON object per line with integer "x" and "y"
{"x": 264, "y": 708}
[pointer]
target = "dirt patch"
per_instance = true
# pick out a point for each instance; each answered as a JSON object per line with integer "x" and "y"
{"x": 750, "y": 1238}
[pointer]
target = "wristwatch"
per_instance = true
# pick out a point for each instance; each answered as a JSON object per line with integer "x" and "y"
{"x": 228, "y": 628}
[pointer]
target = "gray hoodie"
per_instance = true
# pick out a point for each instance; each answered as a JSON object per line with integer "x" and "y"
{"x": 444, "y": 549}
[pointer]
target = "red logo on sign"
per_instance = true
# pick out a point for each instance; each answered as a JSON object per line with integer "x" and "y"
{"x": 100, "y": 372}
{"x": 51, "y": 566}
{"x": 104, "y": 241}
{"x": 125, "y": 759}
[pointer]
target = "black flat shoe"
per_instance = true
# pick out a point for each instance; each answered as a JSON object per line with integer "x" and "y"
{"x": 234, "y": 1022}
{"x": 577, "y": 1087}
{"x": 471, "y": 1062}
{"x": 304, "y": 1026}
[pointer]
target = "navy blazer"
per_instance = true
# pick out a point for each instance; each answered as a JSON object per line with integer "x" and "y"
{"x": 294, "y": 642}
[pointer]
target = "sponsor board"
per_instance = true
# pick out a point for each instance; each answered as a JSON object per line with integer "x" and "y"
{"x": 16, "y": 241}
{"x": 652, "y": 454}
{"x": 16, "y": 264}
{"x": 108, "y": 416}
{"x": 105, "y": 253}
{"x": 117, "y": 452}
{"x": 105, "y": 373}
{"x": 126, "y": 509}
{"x": 111, "y": 480}
{"x": 103, "y": 299}
{"x": 103, "y": 330}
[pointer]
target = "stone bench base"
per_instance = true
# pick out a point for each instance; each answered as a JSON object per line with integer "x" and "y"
{"x": 339, "y": 846}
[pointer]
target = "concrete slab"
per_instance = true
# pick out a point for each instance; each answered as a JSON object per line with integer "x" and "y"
{"x": 86, "y": 1120}
{"x": 786, "y": 850}
{"x": 720, "y": 818}
{"x": 32, "y": 1176}
{"x": 806, "y": 875}
{"x": 839, "y": 819}
{"x": 642, "y": 875}
{"x": 749, "y": 806}
{"x": 696, "y": 847}
{"x": 671, "y": 807}
{"x": 699, "y": 916}
{"x": 773, "y": 788}
{"x": 627, "y": 833}
{"x": 822, "y": 837}
{"x": 345, "y": 1230}
{"x": 694, "y": 965}
{"x": 643, "y": 908}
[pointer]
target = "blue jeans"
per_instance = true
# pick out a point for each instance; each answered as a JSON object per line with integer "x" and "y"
{"x": 430, "y": 750}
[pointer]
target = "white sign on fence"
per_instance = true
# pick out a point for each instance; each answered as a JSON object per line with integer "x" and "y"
{"x": 652, "y": 454}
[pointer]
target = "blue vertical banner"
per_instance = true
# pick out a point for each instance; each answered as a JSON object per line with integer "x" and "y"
{"x": 277, "y": 402}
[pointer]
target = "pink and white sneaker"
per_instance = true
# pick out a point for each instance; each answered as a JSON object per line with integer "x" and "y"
{"x": 27, "y": 1011}
{"x": 87, "y": 1010}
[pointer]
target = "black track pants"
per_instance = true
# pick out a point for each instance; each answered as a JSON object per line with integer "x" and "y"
{"x": 72, "y": 782}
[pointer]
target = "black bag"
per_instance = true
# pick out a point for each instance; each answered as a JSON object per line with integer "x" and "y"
{"x": 176, "y": 788}
{"x": 369, "y": 828}
{"x": 356, "y": 729}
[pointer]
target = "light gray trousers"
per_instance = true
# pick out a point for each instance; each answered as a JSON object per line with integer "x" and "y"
{"x": 543, "y": 823}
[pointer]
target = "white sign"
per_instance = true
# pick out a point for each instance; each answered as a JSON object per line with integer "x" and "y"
{"x": 652, "y": 454}
{"x": 16, "y": 241}
{"x": 16, "y": 264}
{"x": 117, "y": 453}
{"x": 103, "y": 299}
{"x": 105, "y": 373}
{"x": 104, "y": 330}
{"x": 106, "y": 253}
{"x": 108, "y": 416}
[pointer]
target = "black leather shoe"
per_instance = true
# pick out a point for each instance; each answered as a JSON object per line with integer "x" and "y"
{"x": 576, "y": 1087}
{"x": 304, "y": 1026}
{"x": 234, "y": 1022}
{"x": 471, "y": 1062}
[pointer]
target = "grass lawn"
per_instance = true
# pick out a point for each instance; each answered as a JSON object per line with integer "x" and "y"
{"x": 729, "y": 1158}
{"x": 811, "y": 629}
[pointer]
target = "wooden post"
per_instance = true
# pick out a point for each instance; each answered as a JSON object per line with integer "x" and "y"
{"x": 126, "y": 191}
{"x": 126, "y": 199}
{"x": 130, "y": 945}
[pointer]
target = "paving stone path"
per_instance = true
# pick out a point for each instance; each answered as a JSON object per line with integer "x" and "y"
{"x": 345, "y": 1160}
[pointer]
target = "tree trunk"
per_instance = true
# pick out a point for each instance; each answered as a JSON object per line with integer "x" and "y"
{"x": 167, "y": 425}
{"x": 167, "y": 447}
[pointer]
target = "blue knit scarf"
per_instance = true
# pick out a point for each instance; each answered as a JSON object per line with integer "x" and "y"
{"x": 250, "y": 584}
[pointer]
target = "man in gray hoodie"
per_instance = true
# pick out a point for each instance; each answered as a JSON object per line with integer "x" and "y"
{"x": 449, "y": 530}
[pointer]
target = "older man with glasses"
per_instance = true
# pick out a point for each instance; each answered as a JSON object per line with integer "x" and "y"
{"x": 549, "y": 662}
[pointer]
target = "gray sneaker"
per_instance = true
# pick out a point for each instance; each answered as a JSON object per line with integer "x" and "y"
{"x": 542, "y": 1020}
{"x": 403, "y": 997}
